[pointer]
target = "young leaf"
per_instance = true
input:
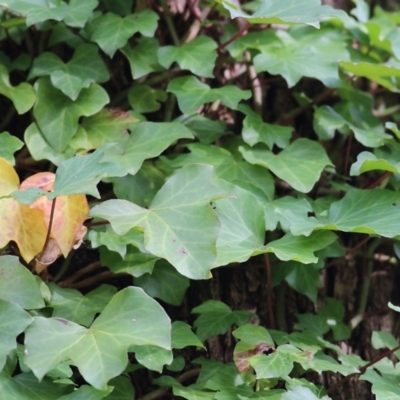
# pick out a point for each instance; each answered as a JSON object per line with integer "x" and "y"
{"x": 8, "y": 146}
{"x": 85, "y": 67}
{"x": 300, "y": 164}
{"x": 198, "y": 56}
{"x": 23, "y": 96}
{"x": 147, "y": 140}
{"x": 164, "y": 283}
{"x": 143, "y": 57}
{"x": 144, "y": 99}
{"x": 130, "y": 318}
{"x": 309, "y": 12}
{"x": 181, "y": 204}
{"x": 111, "y": 32}
{"x": 192, "y": 93}
{"x": 55, "y": 112}
{"x": 183, "y": 336}
{"x": 367, "y": 161}
{"x": 80, "y": 12}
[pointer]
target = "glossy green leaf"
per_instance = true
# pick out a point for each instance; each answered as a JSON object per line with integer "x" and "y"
{"x": 280, "y": 363}
{"x": 107, "y": 126}
{"x": 252, "y": 178}
{"x": 82, "y": 173}
{"x": 130, "y": 318}
{"x": 192, "y": 93}
{"x": 300, "y": 248}
{"x": 256, "y": 131}
{"x": 80, "y": 12}
{"x": 367, "y": 211}
{"x": 38, "y": 11}
{"x": 216, "y": 318}
{"x": 296, "y": 54}
{"x": 384, "y": 383}
{"x": 143, "y": 98}
{"x": 13, "y": 321}
{"x": 327, "y": 121}
{"x": 367, "y": 161}
{"x": 152, "y": 357}
{"x": 143, "y": 57}
{"x": 86, "y": 392}
{"x": 383, "y": 74}
{"x": 205, "y": 129}
{"x": 183, "y": 336}
{"x": 23, "y": 96}
{"x": 300, "y": 164}
{"x": 309, "y": 12}
{"x": 123, "y": 389}
{"x": 8, "y": 146}
{"x": 179, "y": 206}
{"x": 70, "y": 304}
{"x": 84, "y": 68}
{"x": 55, "y": 112}
{"x": 134, "y": 261}
{"x": 41, "y": 150}
{"x": 111, "y": 32}
{"x": 164, "y": 283}
{"x": 299, "y": 393}
{"x": 241, "y": 233}
{"x": 18, "y": 285}
{"x": 147, "y": 140}
{"x": 198, "y": 56}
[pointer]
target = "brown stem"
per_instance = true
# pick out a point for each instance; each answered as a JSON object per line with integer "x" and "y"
{"x": 269, "y": 293}
{"x": 379, "y": 180}
{"x": 97, "y": 223}
{"x": 83, "y": 271}
{"x": 347, "y": 156}
{"x": 362, "y": 369}
{"x": 53, "y": 206}
{"x": 239, "y": 33}
{"x": 93, "y": 280}
{"x": 155, "y": 394}
{"x": 358, "y": 245}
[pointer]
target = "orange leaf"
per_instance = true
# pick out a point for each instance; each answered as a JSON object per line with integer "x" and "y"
{"x": 69, "y": 214}
{"x": 19, "y": 222}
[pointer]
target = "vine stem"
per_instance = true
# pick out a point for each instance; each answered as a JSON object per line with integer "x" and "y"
{"x": 170, "y": 23}
{"x": 83, "y": 271}
{"x": 239, "y": 33}
{"x": 269, "y": 292}
{"x": 379, "y": 180}
{"x": 53, "y": 206}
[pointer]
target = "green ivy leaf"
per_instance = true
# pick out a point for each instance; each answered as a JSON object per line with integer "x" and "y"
{"x": 383, "y": 74}
{"x": 80, "y": 12}
{"x": 130, "y": 318}
{"x": 367, "y": 161}
{"x": 152, "y": 357}
{"x": 256, "y": 131}
{"x": 111, "y": 32}
{"x": 367, "y": 211}
{"x": 81, "y": 174}
{"x": 308, "y": 12}
{"x": 38, "y": 11}
{"x": 23, "y": 96}
{"x": 134, "y": 261}
{"x": 13, "y": 321}
{"x": 300, "y": 164}
{"x": 164, "y": 283}
{"x": 181, "y": 204}
{"x": 123, "y": 389}
{"x": 183, "y": 336}
{"x": 70, "y": 304}
{"x": 192, "y": 93}
{"x": 216, "y": 318}
{"x": 147, "y": 140}
{"x": 86, "y": 392}
{"x": 8, "y": 146}
{"x": 107, "y": 126}
{"x": 85, "y": 67}
{"x": 205, "y": 129}
{"x": 55, "y": 112}
{"x": 241, "y": 233}
{"x": 144, "y": 99}
{"x": 198, "y": 56}
{"x": 18, "y": 285}
{"x": 300, "y": 248}
{"x": 327, "y": 121}
{"x": 143, "y": 57}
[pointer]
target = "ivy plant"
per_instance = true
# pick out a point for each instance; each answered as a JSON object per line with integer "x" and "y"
{"x": 164, "y": 145}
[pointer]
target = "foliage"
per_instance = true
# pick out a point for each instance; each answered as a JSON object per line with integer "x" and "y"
{"x": 207, "y": 136}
